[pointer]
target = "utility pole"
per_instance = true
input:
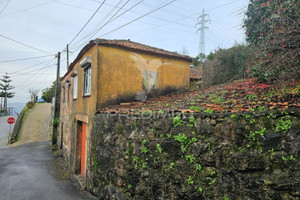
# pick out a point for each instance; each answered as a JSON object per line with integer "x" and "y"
{"x": 67, "y": 57}
{"x": 57, "y": 103}
{"x": 202, "y": 21}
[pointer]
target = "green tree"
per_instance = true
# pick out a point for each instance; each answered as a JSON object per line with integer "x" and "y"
{"x": 48, "y": 93}
{"x": 5, "y": 89}
{"x": 274, "y": 28}
{"x": 231, "y": 64}
{"x": 198, "y": 60}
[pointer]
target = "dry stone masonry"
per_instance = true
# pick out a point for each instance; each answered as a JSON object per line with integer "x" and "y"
{"x": 253, "y": 155}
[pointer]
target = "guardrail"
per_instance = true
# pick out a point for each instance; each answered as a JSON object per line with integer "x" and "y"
{"x": 4, "y": 111}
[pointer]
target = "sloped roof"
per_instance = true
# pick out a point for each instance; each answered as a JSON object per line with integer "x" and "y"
{"x": 127, "y": 44}
{"x": 195, "y": 73}
{"x": 141, "y": 47}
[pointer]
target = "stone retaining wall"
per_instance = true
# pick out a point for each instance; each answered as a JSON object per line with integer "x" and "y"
{"x": 196, "y": 156}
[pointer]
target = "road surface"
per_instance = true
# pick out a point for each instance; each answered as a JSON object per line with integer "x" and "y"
{"x": 35, "y": 127}
{"x": 31, "y": 172}
{"x": 4, "y": 129}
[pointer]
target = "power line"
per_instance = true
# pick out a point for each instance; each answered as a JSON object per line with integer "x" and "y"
{"x": 45, "y": 67}
{"x": 87, "y": 22}
{"x": 110, "y": 20}
{"x": 136, "y": 19}
{"x": 4, "y": 7}
{"x": 26, "y": 9}
{"x": 169, "y": 21}
{"x": 21, "y": 59}
{"x": 71, "y": 5}
{"x": 100, "y": 22}
{"x": 180, "y": 19}
{"x": 21, "y": 74}
{"x": 24, "y": 44}
{"x": 17, "y": 72}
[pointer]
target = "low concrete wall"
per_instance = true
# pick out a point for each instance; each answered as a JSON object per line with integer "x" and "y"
{"x": 17, "y": 126}
{"x": 204, "y": 156}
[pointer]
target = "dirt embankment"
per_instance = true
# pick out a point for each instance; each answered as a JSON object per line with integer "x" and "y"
{"x": 35, "y": 125}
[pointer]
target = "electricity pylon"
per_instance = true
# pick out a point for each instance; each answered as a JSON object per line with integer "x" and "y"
{"x": 202, "y": 21}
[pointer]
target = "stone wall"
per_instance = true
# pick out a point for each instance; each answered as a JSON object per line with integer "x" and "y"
{"x": 196, "y": 156}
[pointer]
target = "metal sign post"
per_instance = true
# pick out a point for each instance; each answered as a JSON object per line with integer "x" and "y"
{"x": 10, "y": 120}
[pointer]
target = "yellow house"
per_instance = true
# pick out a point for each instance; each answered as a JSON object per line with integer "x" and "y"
{"x": 108, "y": 72}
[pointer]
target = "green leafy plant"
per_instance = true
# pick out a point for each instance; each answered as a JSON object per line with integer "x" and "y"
{"x": 233, "y": 117}
{"x": 198, "y": 167}
{"x": 195, "y": 108}
{"x": 212, "y": 96}
{"x": 169, "y": 136}
{"x": 146, "y": 112}
{"x": 137, "y": 162}
{"x": 252, "y": 121}
{"x": 283, "y": 124}
{"x": 144, "y": 165}
{"x": 158, "y": 148}
{"x": 192, "y": 119}
{"x": 200, "y": 189}
{"x": 56, "y": 122}
{"x": 191, "y": 158}
{"x": 212, "y": 182}
{"x": 190, "y": 125}
{"x": 212, "y": 172}
{"x": 218, "y": 100}
{"x": 190, "y": 180}
{"x": 251, "y": 97}
{"x": 172, "y": 164}
{"x": 284, "y": 159}
{"x": 252, "y": 136}
{"x": 177, "y": 121}
{"x": 182, "y": 138}
{"x": 184, "y": 141}
{"x": 144, "y": 150}
{"x": 208, "y": 110}
{"x": 271, "y": 115}
{"x": 262, "y": 108}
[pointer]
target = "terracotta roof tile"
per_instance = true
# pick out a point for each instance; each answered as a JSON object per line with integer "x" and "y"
{"x": 196, "y": 73}
{"x": 141, "y": 47}
{"x": 127, "y": 44}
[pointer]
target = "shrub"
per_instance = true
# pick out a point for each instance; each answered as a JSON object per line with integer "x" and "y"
{"x": 231, "y": 64}
{"x": 30, "y": 105}
{"x": 274, "y": 28}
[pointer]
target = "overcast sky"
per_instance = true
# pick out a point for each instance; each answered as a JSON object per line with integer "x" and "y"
{"x": 48, "y": 25}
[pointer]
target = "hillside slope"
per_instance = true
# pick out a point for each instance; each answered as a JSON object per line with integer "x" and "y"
{"x": 35, "y": 126}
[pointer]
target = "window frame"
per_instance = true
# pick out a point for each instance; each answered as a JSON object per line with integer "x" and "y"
{"x": 75, "y": 87}
{"x": 69, "y": 91}
{"x": 87, "y": 80}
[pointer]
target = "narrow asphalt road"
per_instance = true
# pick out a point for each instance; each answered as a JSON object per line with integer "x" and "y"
{"x": 4, "y": 129}
{"x": 32, "y": 172}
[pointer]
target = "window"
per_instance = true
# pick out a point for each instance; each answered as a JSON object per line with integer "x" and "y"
{"x": 87, "y": 80}
{"x": 69, "y": 91}
{"x": 75, "y": 82}
{"x": 64, "y": 93}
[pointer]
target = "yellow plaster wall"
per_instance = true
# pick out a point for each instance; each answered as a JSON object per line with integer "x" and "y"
{"x": 122, "y": 72}
{"x": 83, "y": 108}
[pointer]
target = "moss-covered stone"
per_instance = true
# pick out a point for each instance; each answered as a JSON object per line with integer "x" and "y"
{"x": 217, "y": 163}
